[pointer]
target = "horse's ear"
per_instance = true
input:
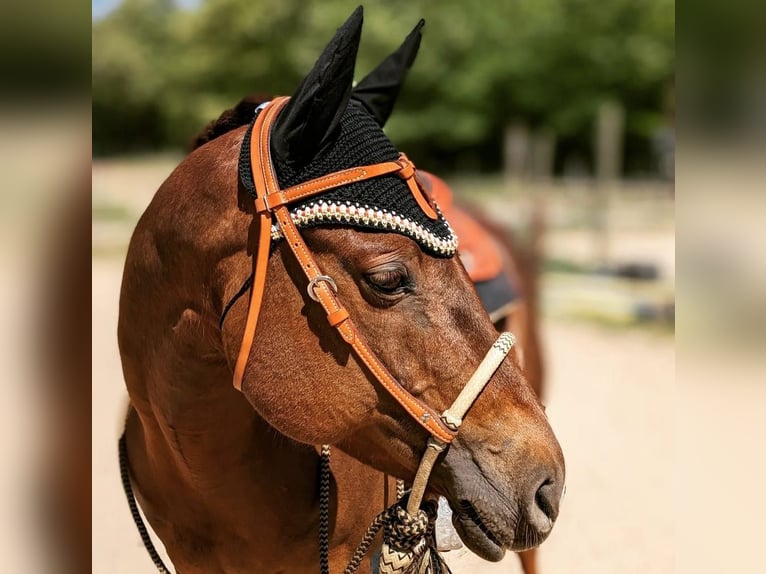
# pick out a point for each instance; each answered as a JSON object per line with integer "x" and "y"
{"x": 380, "y": 88}
{"x": 311, "y": 117}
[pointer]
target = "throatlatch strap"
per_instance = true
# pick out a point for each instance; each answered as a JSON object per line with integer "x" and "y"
{"x": 271, "y": 200}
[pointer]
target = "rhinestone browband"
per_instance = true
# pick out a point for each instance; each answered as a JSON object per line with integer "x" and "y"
{"x": 356, "y": 214}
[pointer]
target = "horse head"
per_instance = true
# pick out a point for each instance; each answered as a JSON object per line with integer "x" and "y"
{"x": 392, "y": 260}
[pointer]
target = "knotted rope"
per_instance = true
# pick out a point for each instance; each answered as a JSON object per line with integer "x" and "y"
{"x": 409, "y": 543}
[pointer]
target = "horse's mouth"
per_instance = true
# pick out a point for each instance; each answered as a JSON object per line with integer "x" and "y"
{"x": 490, "y": 543}
{"x": 475, "y": 533}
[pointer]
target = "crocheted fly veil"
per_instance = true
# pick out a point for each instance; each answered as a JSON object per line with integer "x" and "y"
{"x": 383, "y": 204}
{"x": 346, "y": 137}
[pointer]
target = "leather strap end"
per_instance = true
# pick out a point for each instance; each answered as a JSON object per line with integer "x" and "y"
{"x": 261, "y": 206}
{"x": 271, "y": 202}
{"x": 420, "y": 197}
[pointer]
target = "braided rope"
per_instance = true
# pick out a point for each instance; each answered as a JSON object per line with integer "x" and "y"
{"x": 122, "y": 449}
{"x": 409, "y": 543}
{"x": 324, "y": 509}
{"x": 399, "y": 489}
{"x": 405, "y": 530}
{"x": 367, "y": 540}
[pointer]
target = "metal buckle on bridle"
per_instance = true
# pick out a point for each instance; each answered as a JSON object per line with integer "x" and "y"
{"x": 313, "y": 283}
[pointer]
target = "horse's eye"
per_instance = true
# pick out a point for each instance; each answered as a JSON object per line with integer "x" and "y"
{"x": 388, "y": 281}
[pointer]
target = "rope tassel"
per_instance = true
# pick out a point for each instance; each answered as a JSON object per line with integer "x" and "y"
{"x": 409, "y": 545}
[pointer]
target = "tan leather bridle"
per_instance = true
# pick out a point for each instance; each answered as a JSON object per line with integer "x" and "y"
{"x": 271, "y": 203}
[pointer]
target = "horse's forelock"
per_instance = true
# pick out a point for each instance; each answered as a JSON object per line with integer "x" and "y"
{"x": 231, "y": 119}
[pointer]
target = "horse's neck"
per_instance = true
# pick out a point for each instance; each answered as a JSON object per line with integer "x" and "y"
{"x": 221, "y": 442}
{"x": 220, "y": 477}
{"x": 201, "y": 430}
{"x": 216, "y": 451}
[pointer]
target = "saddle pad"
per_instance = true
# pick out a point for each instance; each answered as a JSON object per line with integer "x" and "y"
{"x": 480, "y": 253}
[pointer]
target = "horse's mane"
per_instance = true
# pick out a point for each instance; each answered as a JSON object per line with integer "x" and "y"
{"x": 231, "y": 119}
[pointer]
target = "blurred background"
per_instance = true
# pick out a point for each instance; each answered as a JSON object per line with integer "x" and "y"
{"x": 520, "y": 85}
{"x": 559, "y": 112}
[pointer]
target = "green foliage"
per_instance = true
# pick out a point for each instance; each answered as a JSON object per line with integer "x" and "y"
{"x": 44, "y": 50}
{"x": 160, "y": 73}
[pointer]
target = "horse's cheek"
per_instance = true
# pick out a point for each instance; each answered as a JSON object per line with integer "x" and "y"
{"x": 308, "y": 410}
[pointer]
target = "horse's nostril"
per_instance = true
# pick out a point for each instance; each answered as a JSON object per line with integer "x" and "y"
{"x": 547, "y": 498}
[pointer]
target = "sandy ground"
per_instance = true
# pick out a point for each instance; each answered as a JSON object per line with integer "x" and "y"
{"x": 609, "y": 402}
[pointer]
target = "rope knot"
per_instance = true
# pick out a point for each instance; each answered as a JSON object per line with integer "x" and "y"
{"x": 405, "y": 531}
{"x": 408, "y": 542}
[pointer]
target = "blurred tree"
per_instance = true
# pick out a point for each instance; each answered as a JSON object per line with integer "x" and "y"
{"x": 130, "y": 50}
{"x": 160, "y": 73}
{"x": 43, "y": 50}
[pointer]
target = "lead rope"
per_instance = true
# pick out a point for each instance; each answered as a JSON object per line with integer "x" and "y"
{"x": 122, "y": 449}
{"x": 324, "y": 509}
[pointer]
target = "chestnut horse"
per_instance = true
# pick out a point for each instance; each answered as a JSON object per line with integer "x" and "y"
{"x": 228, "y": 478}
